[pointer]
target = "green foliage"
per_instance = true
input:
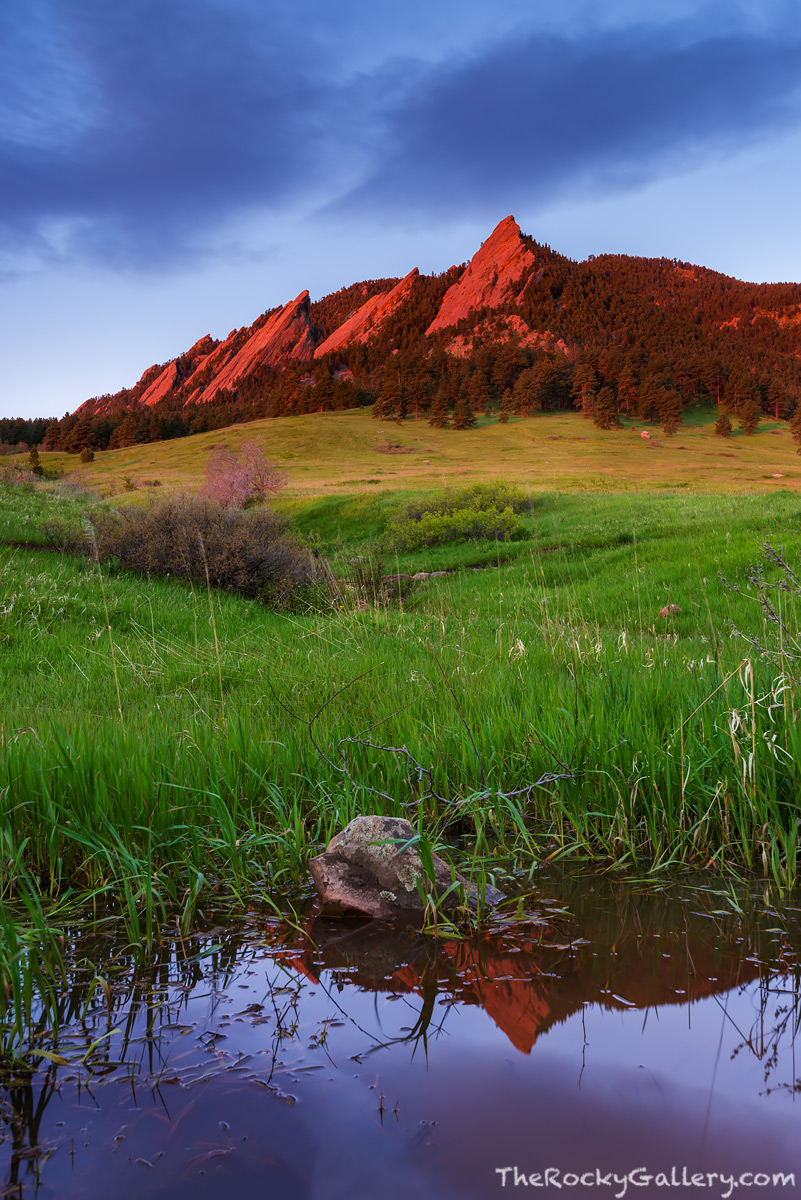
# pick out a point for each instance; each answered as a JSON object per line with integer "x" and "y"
{"x": 458, "y": 525}
{"x": 478, "y": 496}
{"x": 483, "y": 510}
{"x": 660, "y": 746}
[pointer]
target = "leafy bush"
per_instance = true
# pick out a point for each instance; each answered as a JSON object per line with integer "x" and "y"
{"x": 480, "y": 497}
{"x": 483, "y": 510}
{"x": 252, "y": 553}
{"x": 463, "y": 525}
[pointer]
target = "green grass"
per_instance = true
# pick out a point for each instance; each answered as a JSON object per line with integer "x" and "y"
{"x": 335, "y": 453}
{"x": 152, "y": 766}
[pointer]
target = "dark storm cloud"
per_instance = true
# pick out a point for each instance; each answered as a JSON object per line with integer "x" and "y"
{"x": 129, "y": 129}
{"x": 540, "y": 117}
{"x": 131, "y": 133}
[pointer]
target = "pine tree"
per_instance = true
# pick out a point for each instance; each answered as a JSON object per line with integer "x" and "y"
{"x": 670, "y": 407}
{"x": 464, "y": 416}
{"x": 605, "y": 415}
{"x": 750, "y": 414}
{"x": 526, "y": 393}
{"x": 507, "y": 406}
{"x": 438, "y": 414}
{"x": 723, "y": 425}
{"x": 583, "y": 390}
{"x": 627, "y": 390}
{"x": 477, "y": 394}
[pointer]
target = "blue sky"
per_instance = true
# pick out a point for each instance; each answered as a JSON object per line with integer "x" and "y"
{"x": 170, "y": 168}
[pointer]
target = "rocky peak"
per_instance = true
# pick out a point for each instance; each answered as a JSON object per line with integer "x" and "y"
{"x": 285, "y": 337}
{"x": 369, "y": 317}
{"x": 502, "y": 262}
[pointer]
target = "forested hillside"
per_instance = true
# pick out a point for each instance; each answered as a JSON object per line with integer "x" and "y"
{"x": 519, "y": 329}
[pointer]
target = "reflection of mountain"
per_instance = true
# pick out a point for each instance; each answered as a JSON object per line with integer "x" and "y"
{"x": 531, "y": 977}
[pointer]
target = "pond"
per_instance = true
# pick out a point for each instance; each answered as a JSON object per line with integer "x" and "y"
{"x": 616, "y": 1038}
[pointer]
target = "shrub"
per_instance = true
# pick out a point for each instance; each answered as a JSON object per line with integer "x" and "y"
{"x": 478, "y": 496}
{"x": 463, "y": 525}
{"x": 236, "y": 480}
{"x": 483, "y": 510}
{"x": 252, "y": 553}
{"x": 87, "y": 454}
{"x": 17, "y": 476}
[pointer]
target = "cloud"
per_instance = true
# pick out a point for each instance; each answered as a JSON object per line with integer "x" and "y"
{"x": 137, "y": 134}
{"x": 538, "y": 117}
{"x": 131, "y": 129}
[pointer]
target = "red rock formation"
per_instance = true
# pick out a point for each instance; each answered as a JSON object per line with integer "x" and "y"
{"x": 161, "y": 385}
{"x": 503, "y": 261}
{"x": 286, "y": 336}
{"x": 366, "y": 320}
{"x": 525, "y": 984}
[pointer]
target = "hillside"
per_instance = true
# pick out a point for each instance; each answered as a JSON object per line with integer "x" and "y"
{"x": 519, "y": 329}
{"x": 341, "y": 453}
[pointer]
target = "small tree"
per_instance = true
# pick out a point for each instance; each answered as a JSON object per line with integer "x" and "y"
{"x": 750, "y": 414}
{"x": 605, "y": 415}
{"x": 670, "y": 409}
{"x": 237, "y": 480}
{"x": 33, "y": 459}
{"x": 440, "y": 409}
{"x": 723, "y": 425}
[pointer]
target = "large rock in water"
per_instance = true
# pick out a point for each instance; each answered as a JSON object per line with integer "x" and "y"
{"x": 369, "y": 871}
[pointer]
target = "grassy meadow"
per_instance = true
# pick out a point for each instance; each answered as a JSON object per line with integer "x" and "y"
{"x": 336, "y": 453}
{"x": 164, "y": 746}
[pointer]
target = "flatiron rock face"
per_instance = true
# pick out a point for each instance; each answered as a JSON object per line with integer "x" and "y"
{"x": 502, "y": 261}
{"x": 369, "y": 870}
{"x": 367, "y": 320}
{"x": 285, "y": 337}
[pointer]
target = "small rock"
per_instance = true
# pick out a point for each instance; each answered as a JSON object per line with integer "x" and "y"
{"x": 397, "y": 585}
{"x": 364, "y": 873}
{"x": 670, "y": 610}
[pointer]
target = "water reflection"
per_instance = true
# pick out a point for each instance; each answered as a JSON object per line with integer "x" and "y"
{"x": 612, "y": 1027}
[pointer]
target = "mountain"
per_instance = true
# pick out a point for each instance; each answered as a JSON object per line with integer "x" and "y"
{"x": 518, "y": 328}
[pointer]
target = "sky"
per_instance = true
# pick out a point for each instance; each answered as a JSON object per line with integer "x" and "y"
{"x": 171, "y": 168}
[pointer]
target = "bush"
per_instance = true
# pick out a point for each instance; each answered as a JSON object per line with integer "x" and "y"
{"x": 480, "y": 497}
{"x": 254, "y": 554}
{"x": 463, "y": 525}
{"x": 17, "y": 476}
{"x": 87, "y": 454}
{"x": 483, "y": 510}
{"x": 236, "y": 480}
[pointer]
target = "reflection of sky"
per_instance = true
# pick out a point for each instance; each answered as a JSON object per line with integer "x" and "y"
{"x": 171, "y": 169}
{"x": 607, "y": 1089}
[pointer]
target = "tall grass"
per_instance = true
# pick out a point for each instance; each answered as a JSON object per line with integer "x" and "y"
{"x": 655, "y": 742}
{"x": 158, "y": 760}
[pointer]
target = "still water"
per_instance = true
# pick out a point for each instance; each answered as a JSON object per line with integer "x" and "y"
{"x": 613, "y": 1029}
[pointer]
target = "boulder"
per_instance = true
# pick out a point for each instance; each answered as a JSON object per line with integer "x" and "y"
{"x": 368, "y": 870}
